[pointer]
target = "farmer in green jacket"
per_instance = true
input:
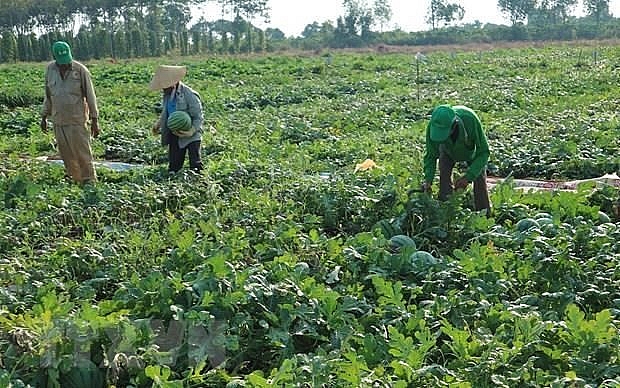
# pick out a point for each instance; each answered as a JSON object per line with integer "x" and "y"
{"x": 455, "y": 134}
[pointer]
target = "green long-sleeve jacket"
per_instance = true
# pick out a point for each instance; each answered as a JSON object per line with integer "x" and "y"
{"x": 470, "y": 146}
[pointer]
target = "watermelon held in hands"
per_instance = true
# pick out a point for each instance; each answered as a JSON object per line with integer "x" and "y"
{"x": 180, "y": 123}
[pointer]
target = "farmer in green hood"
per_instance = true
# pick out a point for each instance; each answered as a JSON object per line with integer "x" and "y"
{"x": 70, "y": 101}
{"x": 455, "y": 134}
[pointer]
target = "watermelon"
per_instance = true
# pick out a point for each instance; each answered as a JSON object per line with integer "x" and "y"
{"x": 179, "y": 122}
{"x": 387, "y": 228}
{"x": 549, "y": 230}
{"x": 603, "y": 217}
{"x": 526, "y": 224}
{"x": 302, "y": 268}
{"x": 401, "y": 241}
{"x": 542, "y": 215}
{"x": 543, "y": 221}
{"x": 422, "y": 259}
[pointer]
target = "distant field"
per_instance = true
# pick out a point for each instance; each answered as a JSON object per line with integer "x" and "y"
{"x": 281, "y": 265}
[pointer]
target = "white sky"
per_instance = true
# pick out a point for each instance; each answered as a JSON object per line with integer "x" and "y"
{"x": 292, "y": 16}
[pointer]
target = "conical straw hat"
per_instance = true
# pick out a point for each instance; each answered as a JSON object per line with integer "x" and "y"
{"x": 167, "y": 76}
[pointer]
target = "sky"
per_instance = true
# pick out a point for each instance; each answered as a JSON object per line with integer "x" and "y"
{"x": 292, "y": 16}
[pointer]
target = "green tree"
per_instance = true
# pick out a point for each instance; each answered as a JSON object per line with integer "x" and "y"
{"x": 184, "y": 42}
{"x": 8, "y": 47}
{"x": 156, "y": 31}
{"x": 107, "y": 12}
{"x": 315, "y": 35}
{"x": 24, "y": 47}
{"x": 554, "y": 11}
{"x": 327, "y": 31}
{"x": 261, "y": 45}
{"x": 210, "y": 42}
{"x": 170, "y": 42}
{"x": 106, "y": 46}
{"x": 15, "y": 15}
{"x": 81, "y": 42}
{"x": 382, "y": 11}
{"x": 274, "y": 34}
{"x": 354, "y": 28}
{"x": 249, "y": 37}
{"x": 196, "y": 46}
{"x": 225, "y": 44}
{"x": 138, "y": 42}
{"x": 239, "y": 28}
{"x": 442, "y": 11}
{"x": 44, "y": 46}
{"x": 120, "y": 43}
{"x": 517, "y": 10}
{"x": 175, "y": 18}
{"x": 200, "y": 32}
{"x": 311, "y": 30}
{"x": 358, "y": 16}
{"x": 250, "y": 9}
{"x": 599, "y": 9}
{"x": 56, "y": 15}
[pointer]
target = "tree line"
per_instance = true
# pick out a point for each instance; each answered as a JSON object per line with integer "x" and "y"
{"x": 151, "y": 28}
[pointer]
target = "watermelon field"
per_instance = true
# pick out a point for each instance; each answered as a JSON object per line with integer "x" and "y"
{"x": 284, "y": 265}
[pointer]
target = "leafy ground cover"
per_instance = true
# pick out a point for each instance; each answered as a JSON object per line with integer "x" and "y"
{"x": 281, "y": 265}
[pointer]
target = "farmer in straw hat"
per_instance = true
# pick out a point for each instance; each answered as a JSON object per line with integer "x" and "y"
{"x": 178, "y": 97}
{"x": 455, "y": 134}
{"x": 70, "y": 100}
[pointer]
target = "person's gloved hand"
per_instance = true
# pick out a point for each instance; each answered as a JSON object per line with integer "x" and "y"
{"x": 461, "y": 183}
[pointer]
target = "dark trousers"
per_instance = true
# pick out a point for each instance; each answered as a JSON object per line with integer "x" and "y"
{"x": 446, "y": 188}
{"x": 176, "y": 155}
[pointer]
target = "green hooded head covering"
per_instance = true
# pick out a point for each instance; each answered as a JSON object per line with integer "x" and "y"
{"x": 441, "y": 123}
{"x": 62, "y": 53}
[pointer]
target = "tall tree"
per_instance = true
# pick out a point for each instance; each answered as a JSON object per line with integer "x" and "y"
{"x": 311, "y": 30}
{"x": 24, "y": 47}
{"x": 200, "y": 32}
{"x": 156, "y": 31}
{"x": 138, "y": 39}
{"x": 441, "y": 10}
{"x": 16, "y": 15}
{"x": 352, "y": 12}
{"x": 383, "y": 12}
{"x": 358, "y": 18}
{"x": 175, "y": 18}
{"x": 109, "y": 12}
{"x": 250, "y": 9}
{"x": 8, "y": 47}
{"x": 556, "y": 11}
{"x": 56, "y": 14}
{"x": 274, "y": 34}
{"x": 517, "y": 10}
{"x": 599, "y": 9}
